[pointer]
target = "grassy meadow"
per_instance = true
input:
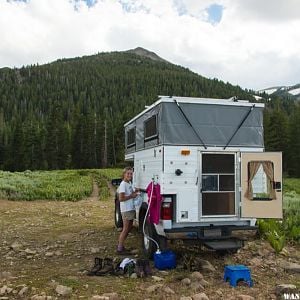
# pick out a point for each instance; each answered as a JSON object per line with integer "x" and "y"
{"x": 68, "y": 185}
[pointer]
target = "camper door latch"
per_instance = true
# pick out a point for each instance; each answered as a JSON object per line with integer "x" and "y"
{"x": 277, "y": 185}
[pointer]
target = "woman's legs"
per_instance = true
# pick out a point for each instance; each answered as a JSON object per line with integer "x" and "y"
{"x": 127, "y": 225}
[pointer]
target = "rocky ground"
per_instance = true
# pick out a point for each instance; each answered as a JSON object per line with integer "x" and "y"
{"x": 47, "y": 247}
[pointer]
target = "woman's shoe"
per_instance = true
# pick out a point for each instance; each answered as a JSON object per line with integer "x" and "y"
{"x": 97, "y": 266}
{"x": 107, "y": 267}
{"x": 123, "y": 251}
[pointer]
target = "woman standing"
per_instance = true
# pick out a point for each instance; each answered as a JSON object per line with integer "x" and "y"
{"x": 126, "y": 196}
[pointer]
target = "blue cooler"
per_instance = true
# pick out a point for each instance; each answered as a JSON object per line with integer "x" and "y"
{"x": 165, "y": 260}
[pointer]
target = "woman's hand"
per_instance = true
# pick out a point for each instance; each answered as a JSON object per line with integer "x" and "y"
{"x": 134, "y": 194}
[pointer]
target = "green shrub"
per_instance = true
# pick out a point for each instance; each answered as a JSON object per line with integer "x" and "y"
{"x": 51, "y": 185}
{"x": 287, "y": 230}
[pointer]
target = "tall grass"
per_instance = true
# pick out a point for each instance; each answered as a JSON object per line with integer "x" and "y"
{"x": 287, "y": 230}
{"x": 51, "y": 185}
{"x": 70, "y": 185}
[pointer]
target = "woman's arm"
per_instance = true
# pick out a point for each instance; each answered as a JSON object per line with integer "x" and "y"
{"x": 122, "y": 196}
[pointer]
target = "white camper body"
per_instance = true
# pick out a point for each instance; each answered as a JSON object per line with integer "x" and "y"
{"x": 204, "y": 153}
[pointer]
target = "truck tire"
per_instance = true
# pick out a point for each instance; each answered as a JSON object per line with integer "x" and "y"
{"x": 149, "y": 249}
{"x": 118, "y": 215}
{"x": 149, "y": 246}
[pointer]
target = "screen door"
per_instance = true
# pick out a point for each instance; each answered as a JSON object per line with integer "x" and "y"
{"x": 218, "y": 184}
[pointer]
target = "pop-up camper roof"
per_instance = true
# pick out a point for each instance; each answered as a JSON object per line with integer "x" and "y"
{"x": 196, "y": 121}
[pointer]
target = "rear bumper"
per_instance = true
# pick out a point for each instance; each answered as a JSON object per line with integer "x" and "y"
{"x": 205, "y": 232}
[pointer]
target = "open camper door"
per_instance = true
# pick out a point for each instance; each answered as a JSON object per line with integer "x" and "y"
{"x": 261, "y": 185}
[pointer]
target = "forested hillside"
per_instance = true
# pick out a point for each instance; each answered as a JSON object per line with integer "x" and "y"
{"x": 59, "y": 115}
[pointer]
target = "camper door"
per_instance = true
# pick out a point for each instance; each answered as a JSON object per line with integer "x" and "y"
{"x": 261, "y": 185}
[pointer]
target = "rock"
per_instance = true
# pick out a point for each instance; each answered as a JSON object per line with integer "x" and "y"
{"x": 111, "y": 296}
{"x": 134, "y": 276}
{"x": 16, "y": 246}
{"x": 204, "y": 282}
{"x": 157, "y": 278}
{"x": 200, "y": 296}
{"x": 41, "y": 297}
{"x": 284, "y": 288}
{"x": 245, "y": 297}
{"x": 196, "y": 276}
{"x": 63, "y": 290}
{"x": 153, "y": 288}
{"x": 256, "y": 262}
{"x": 58, "y": 253}
{"x": 262, "y": 252}
{"x": 168, "y": 290}
{"x": 206, "y": 266}
{"x": 134, "y": 251}
{"x": 23, "y": 291}
{"x": 5, "y": 275}
{"x": 164, "y": 273}
{"x": 185, "y": 298}
{"x": 49, "y": 254}
{"x": 292, "y": 268}
{"x": 284, "y": 252}
{"x": 219, "y": 293}
{"x": 186, "y": 281}
{"x": 94, "y": 250}
{"x": 197, "y": 286}
{"x": 28, "y": 251}
{"x": 3, "y": 290}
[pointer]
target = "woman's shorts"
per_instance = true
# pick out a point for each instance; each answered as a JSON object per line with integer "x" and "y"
{"x": 128, "y": 215}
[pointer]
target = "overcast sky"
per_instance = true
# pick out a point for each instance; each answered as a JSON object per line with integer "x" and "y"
{"x": 253, "y": 43}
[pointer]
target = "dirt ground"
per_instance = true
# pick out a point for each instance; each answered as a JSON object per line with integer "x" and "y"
{"x": 45, "y": 243}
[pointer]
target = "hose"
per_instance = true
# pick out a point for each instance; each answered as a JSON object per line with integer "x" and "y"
{"x": 149, "y": 204}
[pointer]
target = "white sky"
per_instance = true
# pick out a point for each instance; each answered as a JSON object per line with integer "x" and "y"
{"x": 256, "y": 44}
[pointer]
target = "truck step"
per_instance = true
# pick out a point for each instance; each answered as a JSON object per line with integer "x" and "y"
{"x": 228, "y": 244}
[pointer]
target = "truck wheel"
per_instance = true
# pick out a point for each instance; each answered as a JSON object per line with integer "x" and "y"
{"x": 149, "y": 246}
{"x": 118, "y": 215}
{"x": 163, "y": 243}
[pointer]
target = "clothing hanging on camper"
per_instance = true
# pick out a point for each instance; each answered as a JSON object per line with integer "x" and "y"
{"x": 154, "y": 210}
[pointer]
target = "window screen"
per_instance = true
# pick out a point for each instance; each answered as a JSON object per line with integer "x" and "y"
{"x": 218, "y": 204}
{"x": 217, "y": 163}
{"x": 209, "y": 182}
{"x": 131, "y": 137}
{"x": 150, "y": 128}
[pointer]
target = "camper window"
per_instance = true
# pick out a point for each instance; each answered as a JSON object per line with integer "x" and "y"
{"x": 131, "y": 137}
{"x": 150, "y": 128}
{"x": 260, "y": 180}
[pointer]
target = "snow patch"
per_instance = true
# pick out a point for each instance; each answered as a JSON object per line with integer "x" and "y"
{"x": 294, "y": 91}
{"x": 257, "y": 97}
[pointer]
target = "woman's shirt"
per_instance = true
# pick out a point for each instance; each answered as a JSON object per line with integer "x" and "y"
{"x": 127, "y": 189}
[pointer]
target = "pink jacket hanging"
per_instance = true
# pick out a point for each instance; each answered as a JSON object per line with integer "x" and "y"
{"x": 154, "y": 210}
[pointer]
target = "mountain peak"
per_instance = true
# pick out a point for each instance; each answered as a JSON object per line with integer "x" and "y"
{"x": 291, "y": 91}
{"x": 146, "y": 53}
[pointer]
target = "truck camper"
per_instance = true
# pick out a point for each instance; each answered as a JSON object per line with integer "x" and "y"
{"x": 208, "y": 157}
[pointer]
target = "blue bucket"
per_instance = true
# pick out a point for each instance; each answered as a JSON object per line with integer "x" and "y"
{"x": 165, "y": 260}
